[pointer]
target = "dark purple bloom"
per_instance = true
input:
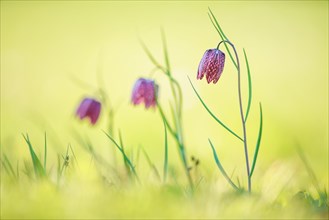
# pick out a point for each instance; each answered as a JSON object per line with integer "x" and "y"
{"x": 145, "y": 90}
{"x": 89, "y": 108}
{"x": 211, "y": 65}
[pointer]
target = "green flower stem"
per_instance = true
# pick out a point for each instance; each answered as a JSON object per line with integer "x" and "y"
{"x": 176, "y": 109}
{"x": 178, "y": 136}
{"x": 242, "y": 114}
{"x": 180, "y": 142}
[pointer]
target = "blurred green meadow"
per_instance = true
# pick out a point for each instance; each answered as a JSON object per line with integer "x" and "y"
{"x": 54, "y": 53}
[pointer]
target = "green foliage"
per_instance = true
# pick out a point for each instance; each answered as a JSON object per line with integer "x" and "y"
{"x": 221, "y": 168}
{"x": 165, "y": 163}
{"x": 126, "y": 159}
{"x": 212, "y": 114}
{"x": 39, "y": 170}
{"x": 258, "y": 140}
{"x": 6, "y": 164}
{"x": 249, "y": 86}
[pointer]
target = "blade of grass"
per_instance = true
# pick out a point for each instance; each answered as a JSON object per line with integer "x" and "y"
{"x": 74, "y": 157}
{"x": 220, "y": 29}
{"x": 28, "y": 170}
{"x": 258, "y": 140}
{"x": 311, "y": 173}
{"x": 123, "y": 153}
{"x": 249, "y": 85}
{"x": 212, "y": 114}
{"x": 38, "y": 169}
{"x": 17, "y": 170}
{"x": 8, "y": 167}
{"x": 164, "y": 118}
{"x": 151, "y": 164}
{"x": 219, "y": 165}
{"x": 172, "y": 81}
{"x": 45, "y": 157}
{"x": 221, "y": 34}
{"x": 165, "y": 51}
{"x": 58, "y": 167}
{"x": 165, "y": 165}
{"x": 153, "y": 60}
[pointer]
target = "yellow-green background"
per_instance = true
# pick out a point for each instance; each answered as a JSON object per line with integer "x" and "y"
{"x": 47, "y": 47}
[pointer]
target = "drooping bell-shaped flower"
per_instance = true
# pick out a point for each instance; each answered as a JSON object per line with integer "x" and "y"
{"x": 211, "y": 65}
{"x": 89, "y": 108}
{"x": 145, "y": 90}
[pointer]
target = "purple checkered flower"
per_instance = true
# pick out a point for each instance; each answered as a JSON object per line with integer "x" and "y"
{"x": 211, "y": 65}
{"x": 145, "y": 90}
{"x": 89, "y": 108}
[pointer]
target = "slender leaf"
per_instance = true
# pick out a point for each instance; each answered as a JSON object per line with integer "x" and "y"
{"x": 212, "y": 114}
{"x": 165, "y": 51}
{"x": 151, "y": 164}
{"x": 58, "y": 168}
{"x": 8, "y": 167}
{"x": 173, "y": 114}
{"x": 310, "y": 171}
{"x": 38, "y": 169}
{"x": 153, "y": 60}
{"x": 258, "y": 140}
{"x": 17, "y": 170}
{"x": 124, "y": 155}
{"x": 164, "y": 118}
{"x": 45, "y": 157}
{"x": 221, "y": 34}
{"x": 249, "y": 85}
{"x": 74, "y": 157}
{"x": 220, "y": 29}
{"x": 221, "y": 168}
{"x": 165, "y": 165}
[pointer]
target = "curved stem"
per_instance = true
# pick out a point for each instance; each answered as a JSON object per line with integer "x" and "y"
{"x": 241, "y": 113}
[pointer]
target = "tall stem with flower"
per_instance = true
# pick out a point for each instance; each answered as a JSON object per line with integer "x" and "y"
{"x": 176, "y": 128}
{"x": 212, "y": 65}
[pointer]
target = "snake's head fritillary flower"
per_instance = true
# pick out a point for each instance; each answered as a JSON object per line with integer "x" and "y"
{"x": 89, "y": 108}
{"x": 145, "y": 90}
{"x": 211, "y": 65}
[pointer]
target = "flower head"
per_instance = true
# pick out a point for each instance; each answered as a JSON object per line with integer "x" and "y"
{"x": 211, "y": 65}
{"x": 145, "y": 90}
{"x": 89, "y": 108}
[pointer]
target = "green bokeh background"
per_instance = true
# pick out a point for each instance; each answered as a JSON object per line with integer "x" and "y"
{"x": 48, "y": 48}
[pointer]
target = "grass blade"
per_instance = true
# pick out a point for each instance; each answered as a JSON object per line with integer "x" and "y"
{"x": 124, "y": 155}
{"x": 45, "y": 157}
{"x": 212, "y": 114}
{"x": 221, "y": 34}
{"x": 164, "y": 118}
{"x": 38, "y": 169}
{"x": 8, "y": 167}
{"x": 310, "y": 171}
{"x": 219, "y": 165}
{"x": 165, "y": 51}
{"x": 74, "y": 157}
{"x": 217, "y": 24}
{"x": 258, "y": 140}
{"x": 151, "y": 164}
{"x": 165, "y": 165}
{"x": 153, "y": 60}
{"x": 249, "y": 85}
{"x": 17, "y": 170}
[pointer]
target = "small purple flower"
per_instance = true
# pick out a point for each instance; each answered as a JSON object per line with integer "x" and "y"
{"x": 211, "y": 65}
{"x": 145, "y": 90}
{"x": 89, "y": 108}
